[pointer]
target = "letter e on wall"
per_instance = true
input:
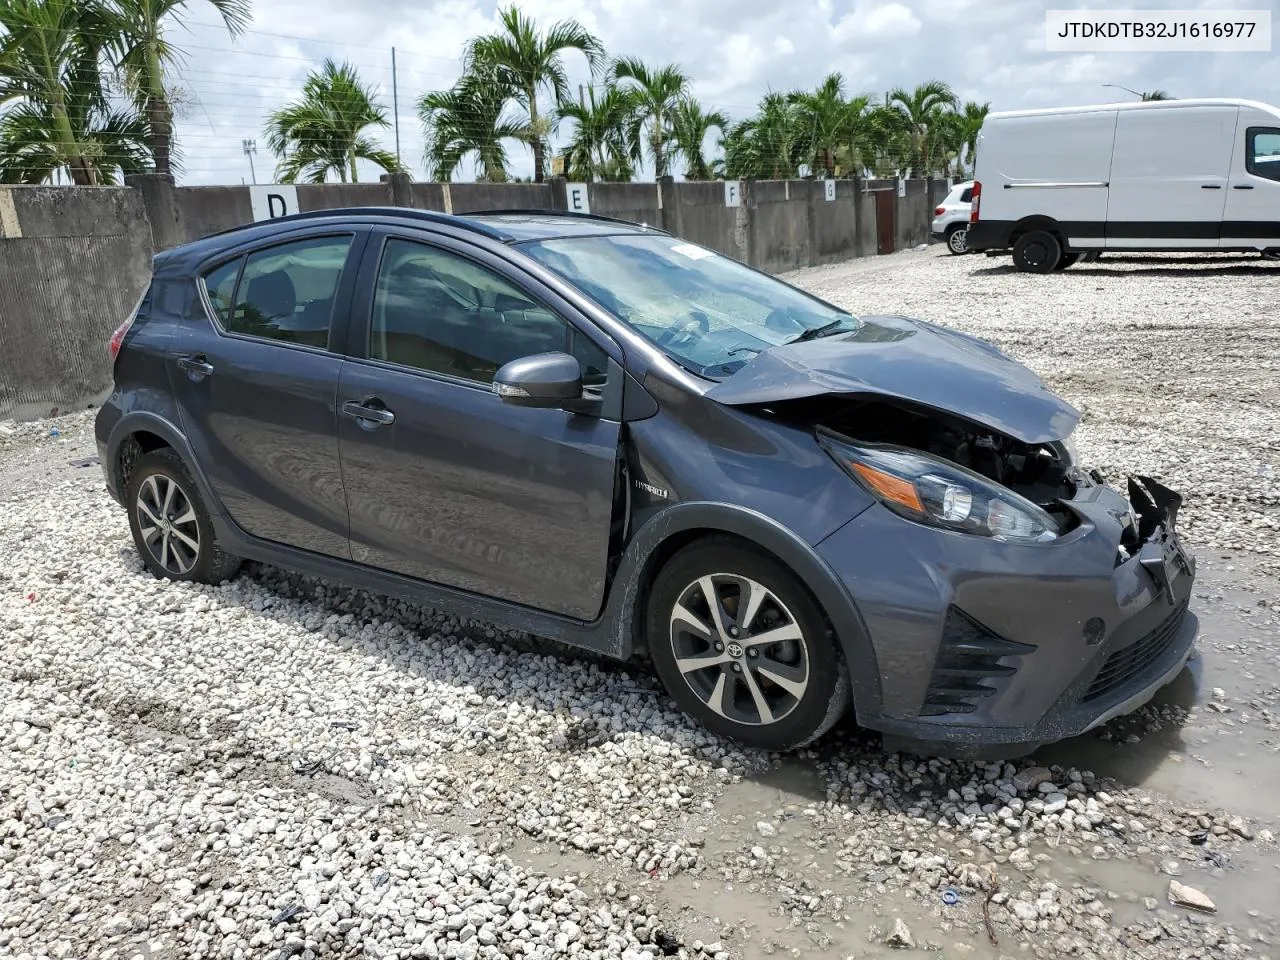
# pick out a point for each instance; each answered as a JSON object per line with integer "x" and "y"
{"x": 576, "y": 199}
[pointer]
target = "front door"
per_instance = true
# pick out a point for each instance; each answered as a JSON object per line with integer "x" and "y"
{"x": 1169, "y": 177}
{"x": 447, "y": 483}
{"x": 1252, "y": 217}
{"x": 256, "y": 383}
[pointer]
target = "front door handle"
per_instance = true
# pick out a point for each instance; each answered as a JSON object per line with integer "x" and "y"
{"x": 363, "y": 411}
{"x": 1210, "y": 186}
{"x": 1243, "y": 186}
{"x": 196, "y": 365}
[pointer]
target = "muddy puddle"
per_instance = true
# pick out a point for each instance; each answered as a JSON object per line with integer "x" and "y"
{"x": 1205, "y": 748}
{"x": 1220, "y": 758}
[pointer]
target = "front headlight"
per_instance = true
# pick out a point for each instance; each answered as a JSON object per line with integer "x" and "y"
{"x": 940, "y": 493}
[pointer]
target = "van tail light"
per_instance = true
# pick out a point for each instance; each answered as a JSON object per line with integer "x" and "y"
{"x": 939, "y": 211}
{"x": 977, "y": 200}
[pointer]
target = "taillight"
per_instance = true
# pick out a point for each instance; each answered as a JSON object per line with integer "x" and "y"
{"x": 939, "y": 211}
{"x": 977, "y": 199}
{"x": 117, "y": 338}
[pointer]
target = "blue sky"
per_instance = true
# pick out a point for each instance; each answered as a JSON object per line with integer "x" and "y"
{"x": 734, "y": 51}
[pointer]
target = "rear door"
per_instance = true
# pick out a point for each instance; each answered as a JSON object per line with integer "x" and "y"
{"x": 445, "y": 482}
{"x": 1169, "y": 177}
{"x": 256, "y": 378}
{"x": 1252, "y": 216}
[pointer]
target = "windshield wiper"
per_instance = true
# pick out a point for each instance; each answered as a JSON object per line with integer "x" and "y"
{"x": 813, "y": 333}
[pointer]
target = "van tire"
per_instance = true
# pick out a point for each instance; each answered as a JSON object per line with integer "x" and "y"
{"x": 1067, "y": 260}
{"x": 1036, "y": 251}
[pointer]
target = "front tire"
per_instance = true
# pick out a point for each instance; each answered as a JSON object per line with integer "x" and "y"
{"x": 1037, "y": 252}
{"x": 957, "y": 238}
{"x": 743, "y": 648}
{"x": 170, "y": 524}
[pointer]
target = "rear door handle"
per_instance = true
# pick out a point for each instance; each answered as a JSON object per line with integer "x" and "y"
{"x": 1243, "y": 186}
{"x": 1210, "y": 186}
{"x": 362, "y": 411}
{"x": 196, "y": 365}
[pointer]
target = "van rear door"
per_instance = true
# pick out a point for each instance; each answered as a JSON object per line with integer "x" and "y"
{"x": 1169, "y": 177}
{"x": 1252, "y": 215}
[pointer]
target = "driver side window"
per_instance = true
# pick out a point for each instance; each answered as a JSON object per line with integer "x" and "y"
{"x": 439, "y": 312}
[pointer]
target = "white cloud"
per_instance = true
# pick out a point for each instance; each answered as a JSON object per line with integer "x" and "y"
{"x": 734, "y": 50}
{"x": 877, "y": 23}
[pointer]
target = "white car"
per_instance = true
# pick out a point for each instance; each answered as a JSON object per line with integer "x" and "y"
{"x": 951, "y": 217}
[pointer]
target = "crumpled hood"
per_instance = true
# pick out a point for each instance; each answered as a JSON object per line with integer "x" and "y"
{"x": 910, "y": 360}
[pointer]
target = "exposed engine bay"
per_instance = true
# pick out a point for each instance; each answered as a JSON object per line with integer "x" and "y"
{"x": 1041, "y": 473}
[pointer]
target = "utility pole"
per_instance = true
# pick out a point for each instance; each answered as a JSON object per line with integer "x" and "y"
{"x": 582, "y": 97}
{"x": 250, "y": 148}
{"x": 395, "y": 101}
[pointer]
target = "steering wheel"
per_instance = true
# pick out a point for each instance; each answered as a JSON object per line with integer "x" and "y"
{"x": 681, "y": 328}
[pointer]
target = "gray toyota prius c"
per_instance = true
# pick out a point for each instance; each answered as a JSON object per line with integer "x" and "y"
{"x": 596, "y": 432}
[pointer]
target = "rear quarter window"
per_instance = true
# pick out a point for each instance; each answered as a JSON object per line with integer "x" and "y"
{"x": 220, "y": 286}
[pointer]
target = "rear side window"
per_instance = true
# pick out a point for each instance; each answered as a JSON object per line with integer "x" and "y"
{"x": 281, "y": 293}
{"x": 1264, "y": 152}
{"x": 220, "y": 284}
{"x": 967, "y": 195}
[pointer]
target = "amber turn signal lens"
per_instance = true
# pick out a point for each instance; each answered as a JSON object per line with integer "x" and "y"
{"x": 901, "y": 492}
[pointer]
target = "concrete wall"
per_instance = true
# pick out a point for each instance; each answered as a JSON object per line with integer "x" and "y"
{"x": 701, "y": 217}
{"x": 637, "y": 202}
{"x": 73, "y": 262}
{"x": 914, "y": 214}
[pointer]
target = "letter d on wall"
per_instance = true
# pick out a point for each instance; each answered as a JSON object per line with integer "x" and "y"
{"x": 270, "y": 201}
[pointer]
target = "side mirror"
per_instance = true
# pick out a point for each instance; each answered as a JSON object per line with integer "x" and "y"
{"x": 540, "y": 380}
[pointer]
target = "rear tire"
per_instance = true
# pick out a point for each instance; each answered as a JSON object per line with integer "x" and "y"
{"x": 1067, "y": 260}
{"x": 957, "y": 235}
{"x": 170, "y": 524}
{"x": 779, "y": 693}
{"x": 1037, "y": 252}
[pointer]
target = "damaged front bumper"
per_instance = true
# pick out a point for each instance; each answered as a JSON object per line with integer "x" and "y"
{"x": 987, "y": 649}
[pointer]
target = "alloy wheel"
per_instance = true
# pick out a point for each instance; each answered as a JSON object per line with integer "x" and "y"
{"x": 167, "y": 521}
{"x": 958, "y": 241}
{"x": 739, "y": 649}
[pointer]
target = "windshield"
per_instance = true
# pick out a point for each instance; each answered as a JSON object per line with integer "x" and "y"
{"x": 710, "y": 313}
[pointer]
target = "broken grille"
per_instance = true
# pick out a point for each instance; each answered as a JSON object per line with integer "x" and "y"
{"x": 1123, "y": 665}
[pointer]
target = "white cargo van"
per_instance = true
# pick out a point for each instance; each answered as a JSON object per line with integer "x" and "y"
{"x": 1163, "y": 175}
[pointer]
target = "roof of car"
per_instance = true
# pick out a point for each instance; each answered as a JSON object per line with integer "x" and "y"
{"x": 507, "y": 226}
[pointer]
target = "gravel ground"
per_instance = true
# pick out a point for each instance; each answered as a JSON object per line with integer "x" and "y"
{"x": 280, "y": 767}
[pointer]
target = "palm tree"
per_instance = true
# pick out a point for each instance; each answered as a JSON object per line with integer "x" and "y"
{"x": 655, "y": 94}
{"x": 830, "y": 125}
{"x": 767, "y": 146}
{"x": 969, "y": 123}
{"x": 112, "y": 140}
{"x": 141, "y": 52}
{"x": 470, "y": 118}
{"x": 598, "y": 148}
{"x": 529, "y": 62}
{"x": 49, "y": 52}
{"x": 690, "y": 125}
{"x": 917, "y": 110}
{"x": 324, "y": 130}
